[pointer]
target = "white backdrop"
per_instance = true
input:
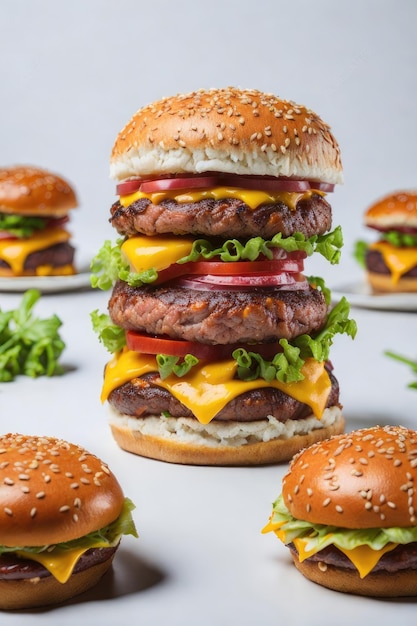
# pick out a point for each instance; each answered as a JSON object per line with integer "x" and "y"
{"x": 71, "y": 75}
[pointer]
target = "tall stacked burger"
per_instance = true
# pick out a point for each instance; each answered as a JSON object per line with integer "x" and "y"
{"x": 220, "y": 341}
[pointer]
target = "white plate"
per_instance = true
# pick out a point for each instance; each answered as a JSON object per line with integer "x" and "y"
{"x": 360, "y": 294}
{"x": 48, "y": 284}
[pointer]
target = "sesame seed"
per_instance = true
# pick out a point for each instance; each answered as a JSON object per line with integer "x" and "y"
{"x": 33, "y": 512}
{"x": 322, "y": 566}
{"x": 74, "y": 485}
{"x": 326, "y": 502}
{"x": 8, "y": 481}
{"x": 64, "y": 508}
{"x": 75, "y": 517}
{"x": 24, "y": 477}
{"x": 40, "y": 495}
{"x": 338, "y": 508}
{"x": 8, "y": 511}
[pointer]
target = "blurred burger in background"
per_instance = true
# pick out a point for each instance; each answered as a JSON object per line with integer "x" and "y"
{"x": 220, "y": 341}
{"x": 391, "y": 261}
{"x": 34, "y": 211}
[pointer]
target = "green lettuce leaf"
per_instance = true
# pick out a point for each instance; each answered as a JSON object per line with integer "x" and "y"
{"x": 359, "y": 252}
{"x": 320, "y": 536}
{"x": 111, "y": 336}
{"x": 111, "y": 534}
{"x": 29, "y": 346}
{"x": 400, "y": 240}
{"x": 20, "y": 225}
{"x": 328, "y": 245}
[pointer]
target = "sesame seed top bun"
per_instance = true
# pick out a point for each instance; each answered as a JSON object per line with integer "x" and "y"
{"x": 230, "y": 130}
{"x": 52, "y": 491}
{"x": 394, "y": 210}
{"x": 27, "y": 190}
{"x": 364, "y": 479}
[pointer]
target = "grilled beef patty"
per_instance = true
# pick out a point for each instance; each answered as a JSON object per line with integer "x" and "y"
{"x": 375, "y": 263}
{"x": 228, "y": 218}
{"x": 218, "y": 317}
{"x": 142, "y": 397}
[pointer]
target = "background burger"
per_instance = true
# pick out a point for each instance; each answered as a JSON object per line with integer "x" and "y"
{"x": 350, "y": 518}
{"x": 391, "y": 261}
{"x": 34, "y": 207}
{"x": 61, "y": 519}
{"x": 220, "y": 342}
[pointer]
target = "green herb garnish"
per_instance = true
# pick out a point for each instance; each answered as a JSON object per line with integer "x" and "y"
{"x": 29, "y": 346}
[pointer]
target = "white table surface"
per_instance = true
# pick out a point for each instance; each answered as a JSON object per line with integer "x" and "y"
{"x": 201, "y": 558}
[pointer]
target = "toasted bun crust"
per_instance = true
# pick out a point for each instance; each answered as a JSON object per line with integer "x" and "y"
{"x": 52, "y": 491}
{"x": 393, "y": 211}
{"x": 385, "y": 585}
{"x": 30, "y": 593}
{"x": 384, "y": 283}
{"x": 27, "y": 190}
{"x": 176, "y": 451}
{"x": 359, "y": 480}
{"x": 240, "y": 131}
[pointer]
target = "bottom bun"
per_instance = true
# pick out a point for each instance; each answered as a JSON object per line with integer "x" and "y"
{"x": 383, "y": 282}
{"x": 33, "y": 592}
{"x": 190, "y": 448}
{"x": 381, "y": 584}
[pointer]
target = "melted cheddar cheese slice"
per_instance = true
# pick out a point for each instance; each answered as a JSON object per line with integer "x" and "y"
{"x": 15, "y": 251}
{"x": 250, "y": 197}
{"x": 144, "y": 253}
{"x": 363, "y": 557}
{"x": 59, "y": 562}
{"x": 208, "y": 387}
{"x": 398, "y": 260}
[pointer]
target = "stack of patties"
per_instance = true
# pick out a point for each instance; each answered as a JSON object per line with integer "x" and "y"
{"x": 221, "y": 343}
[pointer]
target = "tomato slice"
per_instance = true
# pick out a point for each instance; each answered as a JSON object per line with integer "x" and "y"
{"x": 148, "y": 344}
{"x": 168, "y": 184}
{"x": 292, "y": 263}
{"x": 212, "y": 179}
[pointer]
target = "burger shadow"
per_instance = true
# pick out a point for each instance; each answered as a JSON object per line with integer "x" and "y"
{"x": 128, "y": 575}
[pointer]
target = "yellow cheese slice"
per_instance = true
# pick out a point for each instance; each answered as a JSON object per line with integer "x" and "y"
{"x": 144, "y": 253}
{"x": 363, "y": 557}
{"x": 208, "y": 387}
{"x": 59, "y": 562}
{"x": 250, "y": 197}
{"x": 15, "y": 251}
{"x": 398, "y": 260}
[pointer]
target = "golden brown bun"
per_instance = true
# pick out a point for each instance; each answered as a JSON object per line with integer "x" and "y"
{"x": 363, "y": 479}
{"x": 29, "y": 593}
{"x": 384, "y": 283}
{"x": 27, "y": 190}
{"x": 385, "y": 585}
{"x": 274, "y": 451}
{"x": 239, "y": 131}
{"x": 52, "y": 491}
{"x": 394, "y": 210}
